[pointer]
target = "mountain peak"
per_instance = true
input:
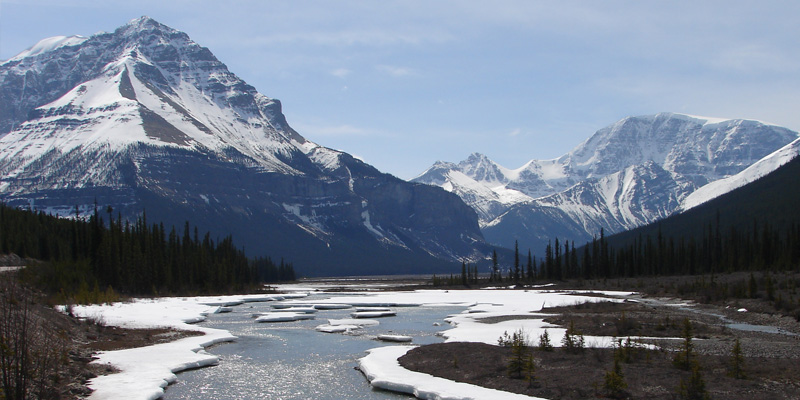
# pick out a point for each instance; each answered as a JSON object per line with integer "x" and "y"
{"x": 477, "y": 157}
{"x": 145, "y": 23}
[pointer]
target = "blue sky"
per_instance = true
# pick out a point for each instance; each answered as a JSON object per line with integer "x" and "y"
{"x": 402, "y": 84}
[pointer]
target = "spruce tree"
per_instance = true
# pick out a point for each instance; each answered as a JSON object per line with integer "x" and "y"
{"x": 736, "y": 368}
{"x": 684, "y": 358}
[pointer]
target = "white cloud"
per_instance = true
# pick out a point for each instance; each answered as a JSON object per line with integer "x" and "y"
{"x": 515, "y": 132}
{"x": 341, "y": 72}
{"x": 396, "y": 71}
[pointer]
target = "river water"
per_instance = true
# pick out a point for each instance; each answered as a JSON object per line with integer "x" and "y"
{"x": 291, "y": 360}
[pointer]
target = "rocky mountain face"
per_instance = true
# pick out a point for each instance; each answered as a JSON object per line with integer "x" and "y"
{"x": 633, "y": 172}
{"x": 145, "y": 119}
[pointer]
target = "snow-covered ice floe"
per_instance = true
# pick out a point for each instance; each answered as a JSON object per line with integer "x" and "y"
{"x": 296, "y": 309}
{"x": 373, "y": 314}
{"x": 395, "y": 338}
{"x": 345, "y": 325}
{"x": 284, "y": 317}
{"x": 383, "y": 371}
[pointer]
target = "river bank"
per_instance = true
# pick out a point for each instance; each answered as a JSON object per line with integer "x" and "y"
{"x": 534, "y": 309}
{"x": 771, "y": 360}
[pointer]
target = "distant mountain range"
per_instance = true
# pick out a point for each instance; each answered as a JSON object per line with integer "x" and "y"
{"x": 636, "y": 171}
{"x": 143, "y": 119}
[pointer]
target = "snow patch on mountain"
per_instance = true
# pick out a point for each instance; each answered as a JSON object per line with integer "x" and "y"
{"x": 144, "y": 117}
{"x": 751, "y": 174}
{"x": 48, "y": 45}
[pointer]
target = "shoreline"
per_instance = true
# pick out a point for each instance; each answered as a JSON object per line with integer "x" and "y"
{"x": 770, "y": 359}
{"x": 506, "y": 318}
{"x": 145, "y": 372}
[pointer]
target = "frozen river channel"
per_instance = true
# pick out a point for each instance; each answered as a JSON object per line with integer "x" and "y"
{"x": 292, "y": 360}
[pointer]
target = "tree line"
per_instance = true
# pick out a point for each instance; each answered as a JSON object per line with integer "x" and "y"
{"x": 89, "y": 257}
{"x": 761, "y": 248}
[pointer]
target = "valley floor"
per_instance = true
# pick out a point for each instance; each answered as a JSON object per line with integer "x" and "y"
{"x": 771, "y": 359}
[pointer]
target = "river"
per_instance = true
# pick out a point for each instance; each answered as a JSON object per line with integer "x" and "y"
{"x": 291, "y": 360}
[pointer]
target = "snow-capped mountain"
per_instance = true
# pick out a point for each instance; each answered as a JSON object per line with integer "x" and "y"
{"x": 146, "y": 119}
{"x": 633, "y": 172}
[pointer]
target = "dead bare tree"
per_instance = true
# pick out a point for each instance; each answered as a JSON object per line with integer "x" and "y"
{"x": 31, "y": 351}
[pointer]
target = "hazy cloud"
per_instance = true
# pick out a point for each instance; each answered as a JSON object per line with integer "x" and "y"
{"x": 396, "y": 71}
{"x": 341, "y": 72}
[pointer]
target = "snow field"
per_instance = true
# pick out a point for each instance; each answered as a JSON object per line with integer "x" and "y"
{"x": 145, "y": 372}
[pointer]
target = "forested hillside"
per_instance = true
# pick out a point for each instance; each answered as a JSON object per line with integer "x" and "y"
{"x": 753, "y": 228}
{"x": 92, "y": 259}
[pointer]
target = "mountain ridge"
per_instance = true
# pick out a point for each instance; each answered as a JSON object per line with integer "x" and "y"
{"x": 629, "y": 173}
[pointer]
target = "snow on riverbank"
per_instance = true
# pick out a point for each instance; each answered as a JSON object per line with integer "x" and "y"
{"x": 144, "y": 372}
{"x": 518, "y": 308}
{"x": 489, "y": 314}
{"x": 384, "y": 371}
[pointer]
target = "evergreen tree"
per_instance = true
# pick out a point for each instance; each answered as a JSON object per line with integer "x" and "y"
{"x": 495, "y": 268}
{"x": 614, "y": 382}
{"x": 736, "y": 368}
{"x": 695, "y": 387}
{"x": 685, "y": 357}
{"x": 516, "y": 262}
{"x": 529, "y": 266}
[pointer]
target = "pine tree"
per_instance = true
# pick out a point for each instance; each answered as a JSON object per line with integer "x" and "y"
{"x": 684, "y": 359}
{"x": 530, "y": 267}
{"x": 516, "y": 262}
{"x": 736, "y": 368}
{"x": 495, "y": 268}
{"x": 573, "y": 341}
{"x": 519, "y": 354}
{"x": 544, "y": 342}
{"x": 695, "y": 388}
{"x": 614, "y": 382}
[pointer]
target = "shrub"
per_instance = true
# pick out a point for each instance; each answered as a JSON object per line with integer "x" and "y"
{"x": 614, "y": 382}
{"x": 573, "y": 341}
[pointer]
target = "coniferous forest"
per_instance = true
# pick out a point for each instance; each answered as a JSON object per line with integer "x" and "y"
{"x": 94, "y": 259}
{"x": 762, "y": 248}
{"x": 753, "y": 228}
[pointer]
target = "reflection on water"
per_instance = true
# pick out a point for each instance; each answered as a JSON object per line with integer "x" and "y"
{"x": 293, "y": 361}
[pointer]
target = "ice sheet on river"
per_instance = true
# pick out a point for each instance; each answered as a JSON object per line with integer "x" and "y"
{"x": 345, "y": 325}
{"x": 145, "y": 371}
{"x": 283, "y": 316}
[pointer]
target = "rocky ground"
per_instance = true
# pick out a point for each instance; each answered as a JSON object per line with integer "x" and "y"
{"x": 771, "y": 360}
